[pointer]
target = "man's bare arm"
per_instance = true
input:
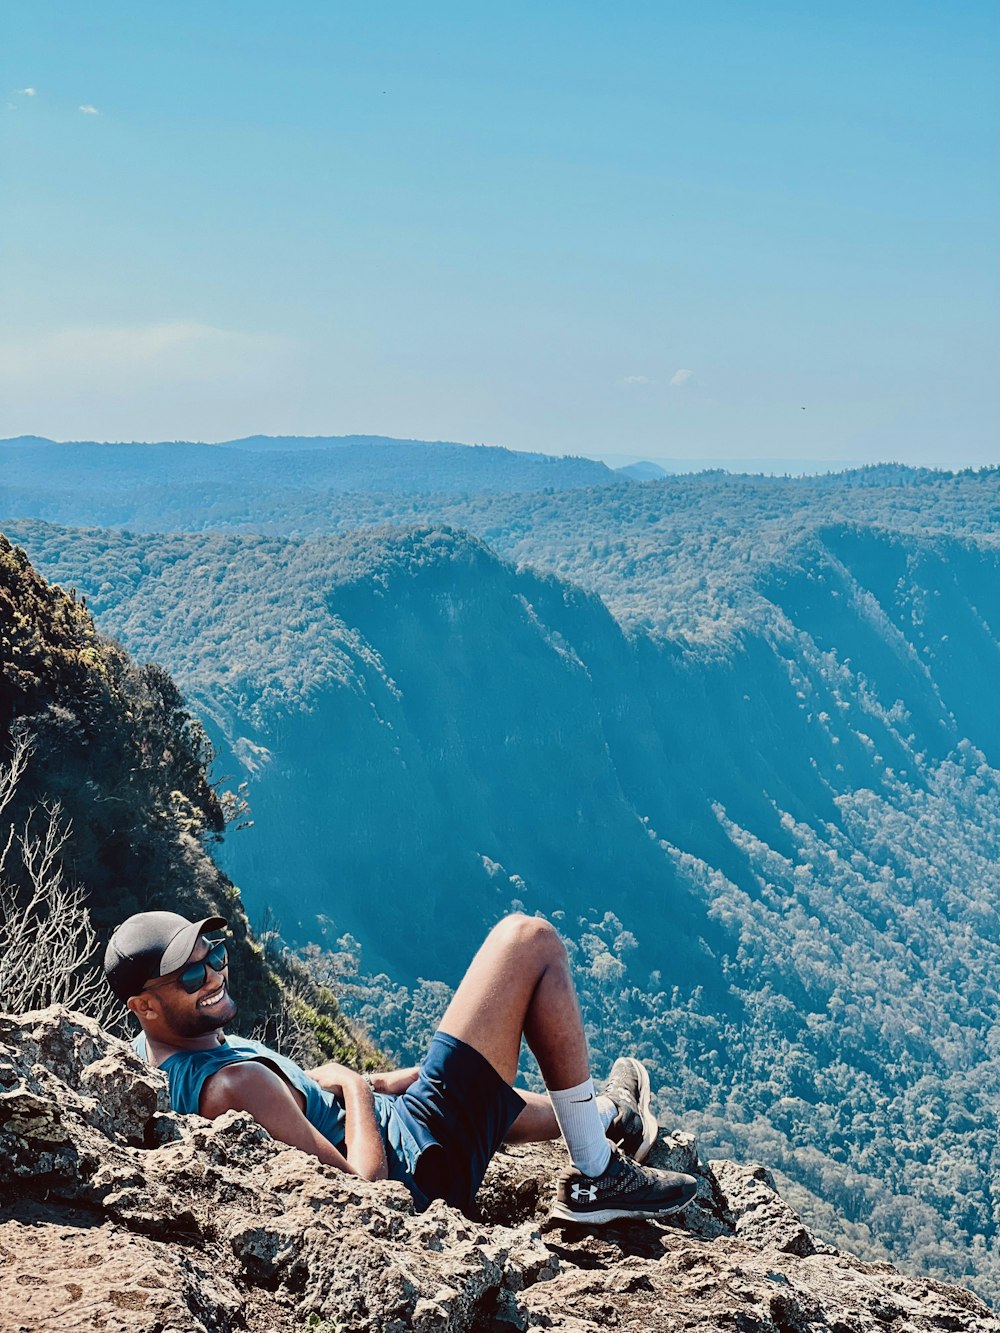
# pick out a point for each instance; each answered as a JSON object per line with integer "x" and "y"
{"x": 331, "y": 1077}
{"x": 251, "y": 1086}
{"x": 394, "y": 1081}
{"x": 362, "y": 1136}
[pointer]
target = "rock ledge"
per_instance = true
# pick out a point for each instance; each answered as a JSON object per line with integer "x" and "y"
{"x": 117, "y": 1215}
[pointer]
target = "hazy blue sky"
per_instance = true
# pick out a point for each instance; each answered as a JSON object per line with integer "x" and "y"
{"x": 646, "y": 229}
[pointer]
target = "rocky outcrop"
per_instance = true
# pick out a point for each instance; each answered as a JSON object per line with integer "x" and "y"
{"x": 117, "y": 1215}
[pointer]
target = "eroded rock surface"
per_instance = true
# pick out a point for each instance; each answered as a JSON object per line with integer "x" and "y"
{"x": 117, "y": 1215}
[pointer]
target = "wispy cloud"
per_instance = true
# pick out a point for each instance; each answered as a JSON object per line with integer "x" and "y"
{"x": 680, "y": 378}
{"x": 27, "y": 92}
{"x": 103, "y": 356}
{"x": 175, "y": 379}
{"x": 89, "y": 110}
{"x": 636, "y": 379}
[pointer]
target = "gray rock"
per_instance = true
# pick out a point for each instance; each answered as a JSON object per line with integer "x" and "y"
{"x": 759, "y": 1213}
{"x": 116, "y": 1214}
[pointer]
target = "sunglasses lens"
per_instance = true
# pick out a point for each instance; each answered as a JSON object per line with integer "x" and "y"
{"x": 193, "y": 978}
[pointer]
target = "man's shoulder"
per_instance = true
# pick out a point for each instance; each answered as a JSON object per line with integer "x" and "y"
{"x": 236, "y": 1085}
{"x": 189, "y": 1070}
{"x": 239, "y": 1072}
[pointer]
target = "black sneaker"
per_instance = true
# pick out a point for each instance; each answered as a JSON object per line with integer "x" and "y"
{"x": 634, "y": 1127}
{"x": 625, "y": 1190}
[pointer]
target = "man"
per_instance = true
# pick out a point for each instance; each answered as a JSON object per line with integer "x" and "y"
{"x": 434, "y": 1128}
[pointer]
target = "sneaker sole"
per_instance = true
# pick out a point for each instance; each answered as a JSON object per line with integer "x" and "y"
{"x": 650, "y": 1128}
{"x": 603, "y": 1216}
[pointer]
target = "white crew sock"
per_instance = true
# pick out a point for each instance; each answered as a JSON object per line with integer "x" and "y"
{"x": 582, "y": 1124}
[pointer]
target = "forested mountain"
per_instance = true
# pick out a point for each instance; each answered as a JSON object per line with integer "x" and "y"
{"x": 105, "y": 792}
{"x": 755, "y": 781}
{"x": 678, "y": 555}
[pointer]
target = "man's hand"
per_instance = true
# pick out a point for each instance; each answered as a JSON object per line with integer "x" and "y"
{"x": 331, "y": 1077}
{"x": 334, "y": 1078}
{"x": 394, "y": 1081}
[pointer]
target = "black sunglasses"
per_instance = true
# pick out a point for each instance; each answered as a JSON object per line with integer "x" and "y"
{"x": 193, "y": 976}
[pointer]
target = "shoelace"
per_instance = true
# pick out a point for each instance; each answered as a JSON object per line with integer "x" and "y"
{"x": 632, "y": 1172}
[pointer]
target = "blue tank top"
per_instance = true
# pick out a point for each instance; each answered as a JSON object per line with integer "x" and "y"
{"x": 187, "y": 1072}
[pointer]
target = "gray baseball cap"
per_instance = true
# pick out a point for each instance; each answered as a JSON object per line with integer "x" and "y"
{"x": 151, "y": 944}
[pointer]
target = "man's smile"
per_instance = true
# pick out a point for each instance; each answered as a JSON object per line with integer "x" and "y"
{"x": 213, "y": 998}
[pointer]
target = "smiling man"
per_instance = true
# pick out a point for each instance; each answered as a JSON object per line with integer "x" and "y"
{"x": 434, "y": 1128}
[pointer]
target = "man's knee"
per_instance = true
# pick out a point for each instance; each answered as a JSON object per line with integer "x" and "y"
{"x": 529, "y": 934}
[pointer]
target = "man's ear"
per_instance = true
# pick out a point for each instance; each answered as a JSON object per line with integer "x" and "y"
{"x": 142, "y": 1005}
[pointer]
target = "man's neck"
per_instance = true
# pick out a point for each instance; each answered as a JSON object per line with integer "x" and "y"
{"x": 161, "y": 1049}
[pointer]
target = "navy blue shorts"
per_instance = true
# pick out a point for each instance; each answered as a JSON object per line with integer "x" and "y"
{"x": 459, "y": 1110}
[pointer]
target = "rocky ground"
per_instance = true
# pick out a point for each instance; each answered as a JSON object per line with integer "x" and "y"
{"x": 117, "y": 1215}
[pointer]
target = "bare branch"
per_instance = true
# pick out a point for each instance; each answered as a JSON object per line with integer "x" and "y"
{"x": 47, "y": 941}
{"x": 11, "y": 772}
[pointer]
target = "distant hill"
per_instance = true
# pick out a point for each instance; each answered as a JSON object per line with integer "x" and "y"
{"x": 187, "y": 487}
{"x": 296, "y": 443}
{"x": 268, "y": 443}
{"x": 644, "y": 471}
{"x": 750, "y": 467}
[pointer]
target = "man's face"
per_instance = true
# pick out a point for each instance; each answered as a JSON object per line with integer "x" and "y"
{"x": 208, "y": 1008}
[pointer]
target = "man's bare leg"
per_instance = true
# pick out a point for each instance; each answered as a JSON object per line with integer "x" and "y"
{"x": 519, "y": 983}
{"x": 536, "y": 1122}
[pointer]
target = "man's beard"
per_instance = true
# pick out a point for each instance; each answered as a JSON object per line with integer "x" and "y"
{"x": 200, "y": 1021}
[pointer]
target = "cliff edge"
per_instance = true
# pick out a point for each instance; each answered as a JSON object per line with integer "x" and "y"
{"x": 116, "y": 1214}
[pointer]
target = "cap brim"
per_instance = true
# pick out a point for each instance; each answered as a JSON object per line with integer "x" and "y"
{"x": 181, "y": 947}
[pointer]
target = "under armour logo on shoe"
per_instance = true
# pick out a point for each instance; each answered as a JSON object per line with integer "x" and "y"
{"x": 584, "y": 1193}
